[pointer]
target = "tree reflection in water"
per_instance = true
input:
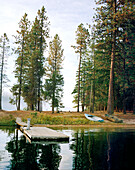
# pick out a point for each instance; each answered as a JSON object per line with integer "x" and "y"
{"x": 33, "y": 156}
{"x": 88, "y": 150}
{"x": 91, "y": 150}
{"x": 103, "y": 150}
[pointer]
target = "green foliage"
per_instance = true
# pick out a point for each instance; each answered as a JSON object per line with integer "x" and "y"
{"x": 82, "y": 41}
{"x": 15, "y": 91}
{"x": 34, "y": 114}
{"x": 31, "y": 43}
{"x": 21, "y": 41}
{"x": 54, "y": 81}
{"x": 113, "y": 30}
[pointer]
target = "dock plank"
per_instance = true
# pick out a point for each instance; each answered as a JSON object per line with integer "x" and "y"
{"x": 44, "y": 133}
{"x": 20, "y": 123}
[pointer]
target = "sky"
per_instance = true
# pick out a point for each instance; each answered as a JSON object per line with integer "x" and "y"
{"x": 64, "y": 17}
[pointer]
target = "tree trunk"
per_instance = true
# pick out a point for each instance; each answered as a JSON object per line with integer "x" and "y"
{"x": 53, "y": 104}
{"x": 39, "y": 76}
{"x": 133, "y": 100}
{"x": 83, "y": 102}
{"x": 83, "y": 105}
{"x": 39, "y": 109}
{"x": 124, "y": 97}
{"x": 53, "y": 100}
{"x": 83, "y": 95}
{"x": 110, "y": 105}
{"x": 2, "y": 65}
{"x": 20, "y": 83}
{"x": 54, "y": 81}
{"x": 93, "y": 93}
{"x": 90, "y": 95}
{"x": 104, "y": 108}
{"x": 79, "y": 81}
{"x": 54, "y": 86}
{"x": 93, "y": 84}
{"x": 32, "y": 106}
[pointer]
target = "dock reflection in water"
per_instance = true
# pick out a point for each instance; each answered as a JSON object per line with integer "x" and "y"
{"x": 90, "y": 149}
{"x": 27, "y": 155}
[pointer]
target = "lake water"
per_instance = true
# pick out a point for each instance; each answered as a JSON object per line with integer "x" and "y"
{"x": 88, "y": 149}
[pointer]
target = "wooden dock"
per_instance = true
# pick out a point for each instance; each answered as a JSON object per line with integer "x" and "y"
{"x": 19, "y": 122}
{"x": 41, "y": 133}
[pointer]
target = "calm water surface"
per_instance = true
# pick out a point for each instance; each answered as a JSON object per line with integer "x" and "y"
{"x": 88, "y": 149}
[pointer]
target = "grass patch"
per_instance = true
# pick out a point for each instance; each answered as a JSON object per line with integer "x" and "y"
{"x": 7, "y": 121}
{"x": 57, "y": 120}
{"x": 34, "y": 114}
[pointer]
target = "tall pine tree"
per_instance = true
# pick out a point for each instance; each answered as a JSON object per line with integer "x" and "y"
{"x": 3, "y": 50}
{"x": 22, "y": 51}
{"x": 54, "y": 81}
{"x": 82, "y": 40}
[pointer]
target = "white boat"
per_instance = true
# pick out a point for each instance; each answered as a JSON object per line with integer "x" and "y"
{"x": 94, "y": 118}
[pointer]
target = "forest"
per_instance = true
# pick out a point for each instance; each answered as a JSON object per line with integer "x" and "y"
{"x": 105, "y": 79}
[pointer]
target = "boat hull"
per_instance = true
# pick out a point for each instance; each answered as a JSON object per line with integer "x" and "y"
{"x": 94, "y": 118}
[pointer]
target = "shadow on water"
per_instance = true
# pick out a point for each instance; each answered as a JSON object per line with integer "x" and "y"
{"x": 92, "y": 149}
{"x": 103, "y": 150}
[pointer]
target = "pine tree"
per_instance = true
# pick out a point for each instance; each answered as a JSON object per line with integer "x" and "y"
{"x": 22, "y": 51}
{"x": 31, "y": 61}
{"x": 44, "y": 33}
{"x": 15, "y": 91}
{"x": 54, "y": 80}
{"x": 82, "y": 40}
{"x": 86, "y": 81}
{"x": 30, "y": 87}
{"x": 110, "y": 22}
{"x": 37, "y": 44}
{"x": 3, "y": 48}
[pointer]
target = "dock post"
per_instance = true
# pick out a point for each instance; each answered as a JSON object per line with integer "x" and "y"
{"x": 28, "y": 124}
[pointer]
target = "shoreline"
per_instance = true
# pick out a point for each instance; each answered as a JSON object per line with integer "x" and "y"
{"x": 114, "y": 125}
{"x": 65, "y": 119}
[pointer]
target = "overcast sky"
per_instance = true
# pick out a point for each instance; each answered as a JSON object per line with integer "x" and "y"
{"x": 64, "y": 17}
